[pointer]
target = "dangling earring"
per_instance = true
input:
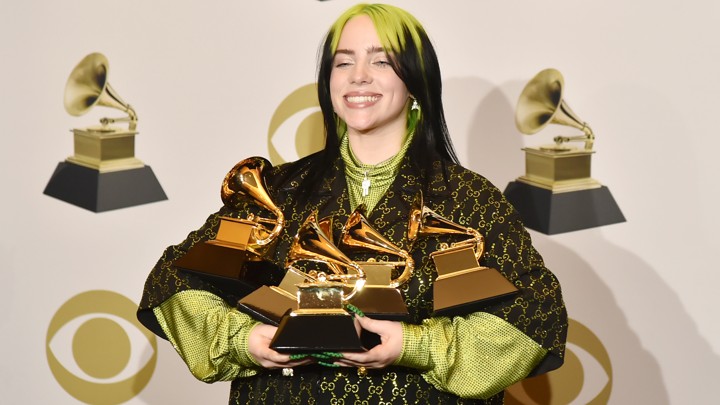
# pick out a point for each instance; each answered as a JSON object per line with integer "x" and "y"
{"x": 415, "y": 105}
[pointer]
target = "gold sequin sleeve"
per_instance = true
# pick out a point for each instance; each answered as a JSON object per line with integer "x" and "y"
{"x": 210, "y": 336}
{"x": 475, "y": 356}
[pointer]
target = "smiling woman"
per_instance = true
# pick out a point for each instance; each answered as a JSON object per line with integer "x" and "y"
{"x": 387, "y": 143}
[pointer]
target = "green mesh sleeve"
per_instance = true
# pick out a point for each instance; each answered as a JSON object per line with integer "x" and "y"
{"x": 209, "y": 335}
{"x": 475, "y": 356}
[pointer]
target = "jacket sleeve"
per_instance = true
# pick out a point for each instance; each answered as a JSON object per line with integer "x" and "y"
{"x": 475, "y": 356}
{"x": 209, "y": 335}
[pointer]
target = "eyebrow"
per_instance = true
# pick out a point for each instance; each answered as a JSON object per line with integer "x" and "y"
{"x": 371, "y": 50}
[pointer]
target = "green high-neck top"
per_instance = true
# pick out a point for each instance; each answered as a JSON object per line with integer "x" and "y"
{"x": 368, "y": 183}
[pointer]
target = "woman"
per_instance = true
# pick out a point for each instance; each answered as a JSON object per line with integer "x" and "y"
{"x": 379, "y": 88}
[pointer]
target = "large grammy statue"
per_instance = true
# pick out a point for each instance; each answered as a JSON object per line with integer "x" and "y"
{"x": 557, "y": 193}
{"x": 104, "y": 173}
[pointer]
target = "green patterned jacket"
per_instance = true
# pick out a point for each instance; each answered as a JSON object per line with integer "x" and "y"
{"x": 455, "y": 193}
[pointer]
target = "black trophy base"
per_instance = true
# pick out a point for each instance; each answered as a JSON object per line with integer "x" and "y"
{"x": 219, "y": 265}
{"x": 384, "y": 303}
{"x": 267, "y": 305}
{"x": 316, "y": 333}
{"x": 95, "y": 191}
{"x": 553, "y": 213}
{"x": 469, "y": 291}
{"x": 230, "y": 289}
{"x": 214, "y": 260}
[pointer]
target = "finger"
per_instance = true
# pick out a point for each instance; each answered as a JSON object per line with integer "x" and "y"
{"x": 296, "y": 363}
{"x": 348, "y": 363}
{"x": 365, "y": 359}
{"x": 289, "y": 364}
{"x": 367, "y": 323}
{"x": 278, "y": 358}
{"x": 355, "y": 357}
{"x": 267, "y": 331}
{"x": 355, "y": 364}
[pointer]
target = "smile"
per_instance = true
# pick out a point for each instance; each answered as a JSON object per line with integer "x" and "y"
{"x": 362, "y": 99}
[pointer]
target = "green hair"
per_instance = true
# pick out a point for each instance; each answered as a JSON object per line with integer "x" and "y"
{"x": 389, "y": 21}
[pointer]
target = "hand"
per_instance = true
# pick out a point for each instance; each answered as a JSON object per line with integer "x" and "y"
{"x": 382, "y": 355}
{"x": 259, "y": 347}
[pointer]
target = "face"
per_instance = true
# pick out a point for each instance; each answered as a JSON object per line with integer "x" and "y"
{"x": 366, "y": 92}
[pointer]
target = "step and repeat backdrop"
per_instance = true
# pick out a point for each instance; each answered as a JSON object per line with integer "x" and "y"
{"x": 206, "y": 84}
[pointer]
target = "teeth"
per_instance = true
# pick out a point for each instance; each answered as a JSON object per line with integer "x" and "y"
{"x": 362, "y": 99}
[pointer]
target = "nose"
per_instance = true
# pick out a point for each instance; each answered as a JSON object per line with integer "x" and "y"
{"x": 361, "y": 74}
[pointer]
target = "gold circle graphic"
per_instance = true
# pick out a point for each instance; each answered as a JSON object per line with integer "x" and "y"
{"x": 309, "y": 134}
{"x": 101, "y": 360}
{"x": 100, "y": 347}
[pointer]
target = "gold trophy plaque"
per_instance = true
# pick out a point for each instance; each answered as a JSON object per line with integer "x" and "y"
{"x": 103, "y": 174}
{"x": 380, "y": 297}
{"x": 462, "y": 284}
{"x": 557, "y": 193}
{"x": 320, "y": 322}
{"x": 238, "y": 239}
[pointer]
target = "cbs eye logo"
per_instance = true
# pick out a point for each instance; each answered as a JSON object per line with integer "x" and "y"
{"x": 297, "y": 121}
{"x": 97, "y": 349}
{"x": 585, "y": 378}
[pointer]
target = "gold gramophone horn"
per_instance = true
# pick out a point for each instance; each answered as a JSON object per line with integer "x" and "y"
{"x": 243, "y": 183}
{"x": 358, "y": 234}
{"x": 311, "y": 243}
{"x": 326, "y": 225}
{"x": 88, "y": 86}
{"x": 541, "y": 103}
{"x": 425, "y": 222}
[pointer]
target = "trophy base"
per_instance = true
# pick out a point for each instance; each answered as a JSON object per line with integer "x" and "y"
{"x": 104, "y": 191}
{"x": 232, "y": 289}
{"x": 314, "y": 333}
{"x": 215, "y": 260}
{"x": 381, "y": 303}
{"x": 237, "y": 279}
{"x": 267, "y": 305}
{"x": 553, "y": 213}
{"x": 468, "y": 291}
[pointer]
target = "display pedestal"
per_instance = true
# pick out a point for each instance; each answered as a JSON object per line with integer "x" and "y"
{"x": 553, "y": 213}
{"x": 104, "y": 191}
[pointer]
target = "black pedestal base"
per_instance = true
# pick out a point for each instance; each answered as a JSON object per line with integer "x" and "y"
{"x": 553, "y": 213}
{"x": 316, "y": 333}
{"x": 267, "y": 305}
{"x": 95, "y": 191}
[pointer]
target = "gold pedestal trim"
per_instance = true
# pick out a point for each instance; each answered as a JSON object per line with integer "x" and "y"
{"x": 559, "y": 170}
{"x": 105, "y": 166}
{"x": 105, "y": 149}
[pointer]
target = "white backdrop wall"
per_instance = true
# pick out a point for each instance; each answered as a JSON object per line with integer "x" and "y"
{"x": 205, "y": 79}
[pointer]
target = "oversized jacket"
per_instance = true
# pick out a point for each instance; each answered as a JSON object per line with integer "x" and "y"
{"x": 453, "y": 192}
